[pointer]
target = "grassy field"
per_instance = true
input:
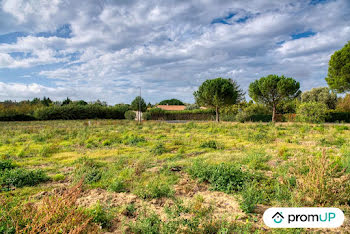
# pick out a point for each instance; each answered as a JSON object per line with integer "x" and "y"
{"x": 196, "y": 177}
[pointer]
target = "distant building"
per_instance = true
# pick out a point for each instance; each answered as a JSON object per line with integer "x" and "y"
{"x": 172, "y": 107}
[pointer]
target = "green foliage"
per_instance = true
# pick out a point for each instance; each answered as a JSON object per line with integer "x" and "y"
{"x": 251, "y": 196}
{"x": 192, "y": 107}
{"x": 209, "y": 144}
{"x": 255, "y": 113}
{"x": 20, "y": 177}
{"x": 171, "y": 102}
{"x": 322, "y": 95}
{"x": 338, "y": 77}
{"x": 67, "y": 101}
{"x": 88, "y": 170}
{"x": 312, "y": 112}
{"x": 133, "y": 139}
{"x": 130, "y": 115}
{"x": 138, "y": 104}
{"x": 58, "y": 177}
{"x": 257, "y": 160}
{"x": 155, "y": 189}
{"x": 337, "y": 117}
{"x": 222, "y": 177}
{"x": 217, "y": 93}
{"x": 101, "y": 215}
{"x": 158, "y": 149}
{"x": 6, "y": 164}
{"x": 272, "y": 90}
{"x": 146, "y": 224}
{"x": 344, "y": 103}
{"x": 79, "y": 112}
{"x": 118, "y": 185}
{"x": 197, "y": 114}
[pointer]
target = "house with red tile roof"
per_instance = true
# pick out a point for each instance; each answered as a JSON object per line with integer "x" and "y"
{"x": 172, "y": 107}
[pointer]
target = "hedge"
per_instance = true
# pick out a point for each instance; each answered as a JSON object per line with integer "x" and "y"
{"x": 335, "y": 116}
{"x": 16, "y": 117}
{"x": 79, "y": 112}
{"x": 158, "y": 114}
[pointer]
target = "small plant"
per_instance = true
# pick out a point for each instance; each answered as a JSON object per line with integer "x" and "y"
{"x": 55, "y": 214}
{"x": 118, "y": 185}
{"x": 159, "y": 149}
{"x": 251, "y": 196}
{"x": 146, "y": 224}
{"x": 209, "y": 144}
{"x": 88, "y": 170}
{"x": 222, "y": 177}
{"x": 134, "y": 140}
{"x": 130, "y": 210}
{"x": 101, "y": 215}
{"x": 58, "y": 177}
{"x": 20, "y": 177}
{"x": 257, "y": 160}
{"x": 48, "y": 150}
{"x": 6, "y": 164}
{"x": 323, "y": 184}
{"x": 155, "y": 189}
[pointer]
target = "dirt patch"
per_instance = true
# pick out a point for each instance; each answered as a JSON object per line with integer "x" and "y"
{"x": 225, "y": 205}
{"x": 189, "y": 187}
{"x": 91, "y": 197}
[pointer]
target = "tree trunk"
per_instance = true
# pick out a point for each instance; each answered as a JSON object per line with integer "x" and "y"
{"x": 217, "y": 114}
{"x": 274, "y": 113}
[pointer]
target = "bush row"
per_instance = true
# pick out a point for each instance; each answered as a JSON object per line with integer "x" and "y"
{"x": 70, "y": 112}
{"x": 159, "y": 114}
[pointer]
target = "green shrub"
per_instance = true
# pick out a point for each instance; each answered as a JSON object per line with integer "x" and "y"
{"x": 88, "y": 170}
{"x": 254, "y": 113}
{"x": 199, "y": 114}
{"x": 134, "y": 140}
{"x": 251, "y": 196}
{"x": 312, "y": 112}
{"x": 146, "y": 224}
{"x": 118, "y": 185}
{"x": 222, "y": 177}
{"x": 101, "y": 215}
{"x": 257, "y": 161}
{"x": 71, "y": 111}
{"x": 20, "y": 177}
{"x": 155, "y": 189}
{"x": 58, "y": 177}
{"x": 336, "y": 116}
{"x": 209, "y": 144}
{"x": 130, "y": 115}
{"x": 6, "y": 164}
{"x": 158, "y": 149}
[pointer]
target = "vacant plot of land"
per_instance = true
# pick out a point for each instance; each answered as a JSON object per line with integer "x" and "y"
{"x": 167, "y": 177}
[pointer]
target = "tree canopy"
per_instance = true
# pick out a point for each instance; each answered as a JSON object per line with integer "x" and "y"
{"x": 171, "y": 102}
{"x": 338, "y": 77}
{"x": 66, "y": 102}
{"x": 137, "y": 103}
{"x": 217, "y": 93}
{"x": 322, "y": 95}
{"x": 272, "y": 90}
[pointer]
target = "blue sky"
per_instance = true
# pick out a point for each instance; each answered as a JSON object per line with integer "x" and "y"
{"x": 107, "y": 49}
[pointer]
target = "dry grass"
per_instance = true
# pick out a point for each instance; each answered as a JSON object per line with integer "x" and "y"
{"x": 55, "y": 214}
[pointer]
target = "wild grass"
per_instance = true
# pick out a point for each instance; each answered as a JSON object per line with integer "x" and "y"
{"x": 254, "y": 163}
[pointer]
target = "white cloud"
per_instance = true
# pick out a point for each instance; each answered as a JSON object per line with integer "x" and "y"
{"x": 170, "y": 47}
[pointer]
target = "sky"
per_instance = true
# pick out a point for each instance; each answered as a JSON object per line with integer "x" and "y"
{"x": 107, "y": 49}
